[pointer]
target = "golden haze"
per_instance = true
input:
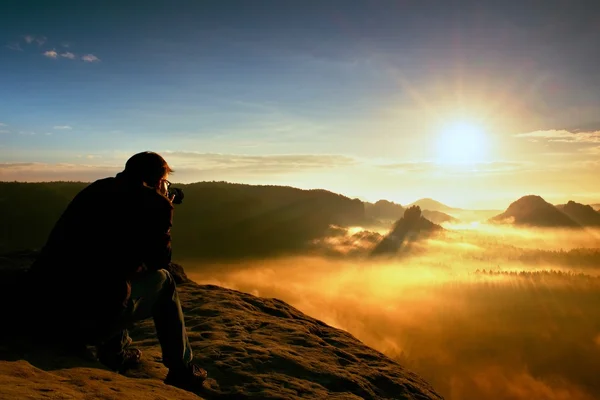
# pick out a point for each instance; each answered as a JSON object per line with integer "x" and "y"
{"x": 518, "y": 333}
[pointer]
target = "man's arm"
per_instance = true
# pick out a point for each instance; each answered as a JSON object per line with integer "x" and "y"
{"x": 157, "y": 243}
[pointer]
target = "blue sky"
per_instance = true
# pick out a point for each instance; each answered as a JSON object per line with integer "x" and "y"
{"x": 352, "y": 96}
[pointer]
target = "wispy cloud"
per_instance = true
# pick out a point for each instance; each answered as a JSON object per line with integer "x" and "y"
{"x": 14, "y": 46}
{"x": 51, "y": 54}
{"x": 562, "y": 135}
{"x": 409, "y": 166}
{"x": 1, "y": 124}
{"x": 40, "y": 172}
{"x": 63, "y": 127}
{"x": 591, "y": 150}
{"x": 40, "y": 40}
{"x": 428, "y": 166}
{"x": 4, "y": 131}
{"x": 90, "y": 58}
{"x": 258, "y": 163}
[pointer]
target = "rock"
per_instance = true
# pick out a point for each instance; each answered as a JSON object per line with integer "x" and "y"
{"x": 252, "y": 347}
{"x": 178, "y": 273}
{"x": 408, "y": 229}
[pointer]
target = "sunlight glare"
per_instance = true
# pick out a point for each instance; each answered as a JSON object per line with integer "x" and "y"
{"x": 461, "y": 142}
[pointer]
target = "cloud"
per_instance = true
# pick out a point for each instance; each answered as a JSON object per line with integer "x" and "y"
{"x": 63, "y": 127}
{"x": 14, "y": 46}
{"x": 188, "y": 165}
{"x": 90, "y": 58}
{"x": 51, "y": 54}
{"x": 257, "y": 163}
{"x": 68, "y": 55}
{"x": 16, "y": 165}
{"x": 428, "y": 166}
{"x": 562, "y": 135}
{"x": 591, "y": 150}
{"x": 1, "y": 124}
{"x": 417, "y": 166}
{"x": 4, "y": 131}
{"x": 43, "y": 172}
{"x": 40, "y": 40}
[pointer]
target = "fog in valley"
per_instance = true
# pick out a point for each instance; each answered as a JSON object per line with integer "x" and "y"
{"x": 480, "y": 311}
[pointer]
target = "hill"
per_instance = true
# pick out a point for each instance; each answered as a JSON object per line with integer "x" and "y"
{"x": 438, "y": 217}
{"x": 433, "y": 205}
{"x": 536, "y": 212}
{"x": 216, "y": 219}
{"x": 583, "y": 214}
{"x": 252, "y": 348}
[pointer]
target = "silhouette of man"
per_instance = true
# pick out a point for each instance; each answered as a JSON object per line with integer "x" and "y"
{"x": 104, "y": 266}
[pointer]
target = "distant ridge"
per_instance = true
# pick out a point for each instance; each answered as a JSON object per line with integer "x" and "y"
{"x": 534, "y": 211}
{"x": 583, "y": 214}
{"x": 433, "y": 205}
{"x": 387, "y": 210}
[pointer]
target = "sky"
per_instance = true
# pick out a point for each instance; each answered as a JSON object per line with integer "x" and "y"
{"x": 472, "y": 103}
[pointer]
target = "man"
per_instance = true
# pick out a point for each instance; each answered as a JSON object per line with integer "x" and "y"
{"x": 104, "y": 266}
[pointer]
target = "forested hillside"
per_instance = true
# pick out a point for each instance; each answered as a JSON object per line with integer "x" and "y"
{"x": 216, "y": 219}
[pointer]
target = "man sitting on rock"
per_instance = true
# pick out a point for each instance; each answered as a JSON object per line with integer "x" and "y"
{"x": 105, "y": 266}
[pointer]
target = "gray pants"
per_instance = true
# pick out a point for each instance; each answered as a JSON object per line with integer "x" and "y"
{"x": 154, "y": 294}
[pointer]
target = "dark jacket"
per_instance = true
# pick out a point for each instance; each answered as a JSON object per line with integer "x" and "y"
{"x": 110, "y": 229}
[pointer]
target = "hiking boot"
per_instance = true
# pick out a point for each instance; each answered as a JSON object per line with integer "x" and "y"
{"x": 128, "y": 358}
{"x": 188, "y": 378}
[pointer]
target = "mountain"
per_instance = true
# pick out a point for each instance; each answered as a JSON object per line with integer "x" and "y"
{"x": 252, "y": 347}
{"x": 384, "y": 209}
{"x": 217, "y": 220}
{"x": 387, "y": 210}
{"x": 411, "y": 227}
{"x": 595, "y": 207}
{"x": 534, "y": 211}
{"x": 432, "y": 205}
{"x": 583, "y": 214}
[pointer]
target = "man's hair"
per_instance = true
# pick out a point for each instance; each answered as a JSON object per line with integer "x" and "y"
{"x": 148, "y": 167}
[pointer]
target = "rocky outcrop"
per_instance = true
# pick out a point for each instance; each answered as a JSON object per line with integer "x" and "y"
{"x": 411, "y": 227}
{"x": 252, "y": 348}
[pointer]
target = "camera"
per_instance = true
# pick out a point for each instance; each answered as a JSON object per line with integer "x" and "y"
{"x": 176, "y": 194}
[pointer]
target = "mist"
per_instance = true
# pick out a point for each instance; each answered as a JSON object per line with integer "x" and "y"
{"x": 479, "y": 311}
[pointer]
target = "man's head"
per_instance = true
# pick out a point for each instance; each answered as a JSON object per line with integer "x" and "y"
{"x": 148, "y": 167}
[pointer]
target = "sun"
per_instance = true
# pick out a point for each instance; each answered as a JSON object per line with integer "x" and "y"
{"x": 461, "y": 142}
